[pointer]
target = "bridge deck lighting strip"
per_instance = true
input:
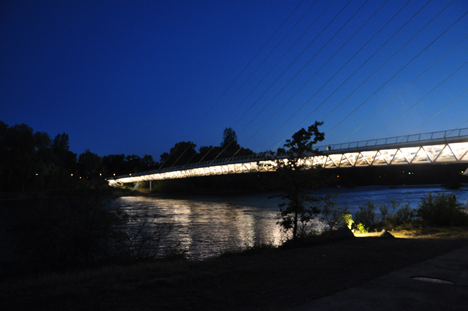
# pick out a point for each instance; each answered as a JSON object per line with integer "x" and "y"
{"x": 456, "y": 152}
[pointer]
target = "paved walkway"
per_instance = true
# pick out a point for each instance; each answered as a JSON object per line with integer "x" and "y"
{"x": 437, "y": 284}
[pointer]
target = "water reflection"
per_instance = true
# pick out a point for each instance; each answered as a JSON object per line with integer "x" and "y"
{"x": 209, "y": 225}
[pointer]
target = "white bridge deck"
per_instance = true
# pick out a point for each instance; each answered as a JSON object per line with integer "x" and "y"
{"x": 431, "y": 148}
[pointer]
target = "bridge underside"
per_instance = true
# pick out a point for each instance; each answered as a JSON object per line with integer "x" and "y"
{"x": 445, "y": 153}
{"x": 429, "y": 154}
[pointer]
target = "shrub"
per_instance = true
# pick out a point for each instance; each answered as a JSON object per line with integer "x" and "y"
{"x": 145, "y": 237}
{"x": 361, "y": 228}
{"x": 397, "y": 215}
{"x": 442, "y": 210}
{"x": 384, "y": 212}
{"x": 334, "y": 217}
{"x": 79, "y": 228}
{"x": 391, "y": 216}
{"x": 72, "y": 229}
{"x": 366, "y": 215}
{"x": 348, "y": 219}
{"x": 403, "y": 215}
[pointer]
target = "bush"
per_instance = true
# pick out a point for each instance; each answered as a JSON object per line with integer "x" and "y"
{"x": 390, "y": 216}
{"x": 145, "y": 238}
{"x": 348, "y": 219}
{"x": 442, "y": 210}
{"x": 334, "y": 217}
{"x": 79, "y": 228}
{"x": 366, "y": 215}
{"x": 404, "y": 215}
{"x": 397, "y": 215}
{"x": 384, "y": 212}
{"x": 72, "y": 229}
{"x": 361, "y": 228}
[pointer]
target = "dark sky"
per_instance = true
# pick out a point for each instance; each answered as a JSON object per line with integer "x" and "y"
{"x": 135, "y": 77}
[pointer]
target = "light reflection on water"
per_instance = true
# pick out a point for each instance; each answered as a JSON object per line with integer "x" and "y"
{"x": 209, "y": 225}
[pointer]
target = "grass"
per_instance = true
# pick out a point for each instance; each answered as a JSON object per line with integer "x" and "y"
{"x": 265, "y": 279}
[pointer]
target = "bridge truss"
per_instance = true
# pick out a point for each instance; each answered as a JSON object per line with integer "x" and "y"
{"x": 431, "y": 148}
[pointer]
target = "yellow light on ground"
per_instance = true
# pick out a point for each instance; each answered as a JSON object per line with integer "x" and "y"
{"x": 396, "y": 234}
{"x": 366, "y": 235}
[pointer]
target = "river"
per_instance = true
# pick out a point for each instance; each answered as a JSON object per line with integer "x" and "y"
{"x": 210, "y": 224}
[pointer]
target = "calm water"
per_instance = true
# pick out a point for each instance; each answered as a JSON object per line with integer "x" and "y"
{"x": 208, "y": 225}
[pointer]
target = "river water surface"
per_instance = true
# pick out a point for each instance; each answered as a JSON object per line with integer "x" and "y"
{"x": 208, "y": 225}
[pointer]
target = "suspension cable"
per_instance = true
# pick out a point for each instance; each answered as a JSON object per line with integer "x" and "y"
{"x": 407, "y": 86}
{"x": 401, "y": 115}
{"x": 404, "y": 45}
{"x": 241, "y": 102}
{"x": 230, "y": 85}
{"x": 297, "y": 111}
{"x": 271, "y": 85}
{"x": 398, "y": 72}
{"x": 278, "y": 110}
{"x": 299, "y": 70}
{"x": 460, "y": 96}
{"x": 362, "y": 65}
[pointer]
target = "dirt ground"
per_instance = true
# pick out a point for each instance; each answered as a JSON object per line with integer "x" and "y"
{"x": 270, "y": 279}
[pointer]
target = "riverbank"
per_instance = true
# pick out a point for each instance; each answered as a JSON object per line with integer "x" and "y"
{"x": 268, "y": 279}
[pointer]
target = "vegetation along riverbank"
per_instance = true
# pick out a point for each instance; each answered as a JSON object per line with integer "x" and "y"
{"x": 70, "y": 249}
{"x": 76, "y": 251}
{"x": 261, "y": 278}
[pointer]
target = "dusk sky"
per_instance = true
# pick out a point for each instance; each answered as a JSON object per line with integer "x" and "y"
{"x": 136, "y": 77}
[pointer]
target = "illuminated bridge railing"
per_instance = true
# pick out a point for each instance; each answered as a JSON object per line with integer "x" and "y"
{"x": 430, "y": 148}
{"x": 414, "y": 139}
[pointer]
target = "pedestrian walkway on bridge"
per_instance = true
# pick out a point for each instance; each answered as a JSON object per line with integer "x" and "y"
{"x": 429, "y": 148}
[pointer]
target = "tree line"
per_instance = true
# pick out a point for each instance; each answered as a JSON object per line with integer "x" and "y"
{"x": 185, "y": 152}
{"x": 34, "y": 161}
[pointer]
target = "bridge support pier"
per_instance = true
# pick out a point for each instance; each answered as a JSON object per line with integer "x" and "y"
{"x": 150, "y": 185}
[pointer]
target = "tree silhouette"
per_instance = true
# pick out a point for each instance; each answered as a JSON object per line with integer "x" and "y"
{"x": 299, "y": 207}
{"x": 230, "y": 147}
{"x": 90, "y": 164}
{"x": 20, "y": 146}
{"x": 229, "y": 138}
{"x": 180, "y": 154}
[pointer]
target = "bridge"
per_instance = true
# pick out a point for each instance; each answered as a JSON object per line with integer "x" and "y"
{"x": 429, "y": 148}
{"x": 388, "y": 68}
